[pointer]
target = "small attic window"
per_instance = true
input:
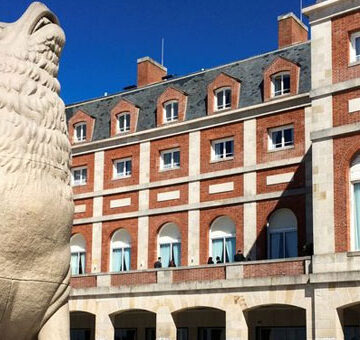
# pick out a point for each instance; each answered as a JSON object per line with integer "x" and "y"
{"x": 80, "y": 132}
{"x": 222, "y": 99}
{"x": 280, "y": 84}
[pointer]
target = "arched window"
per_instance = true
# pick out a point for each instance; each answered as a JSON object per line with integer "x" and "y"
{"x": 355, "y": 203}
{"x": 120, "y": 251}
{"x": 282, "y": 234}
{"x": 223, "y": 239}
{"x": 170, "y": 245}
{"x": 78, "y": 254}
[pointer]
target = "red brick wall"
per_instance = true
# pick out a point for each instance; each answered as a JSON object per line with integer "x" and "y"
{"x": 79, "y": 117}
{"x": 207, "y": 136}
{"x": 121, "y": 107}
{"x": 108, "y": 229}
{"x": 89, "y": 208}
{"x": 238, "y": 188}
{"x": 342, "y": 27}
{"x": 83, "y": 282}
{"x": 281, "y": 65}
{"x": 341, "y": 115}
{"x": 181, "y": 142}
{"x": 131, "y": 151}
{"x": 345, "y": 149}
{"x": 134, "y": 206}
{"x": 149, "y": 73}
{"x": 86, "y": 231}
{"x": 297, "y": 182}
{"x": 223, "y": 80}
{"x": 208, "y": 216}
{"x": 88, "y": 161}
{"x": 200, "y": 274}
{"x": 291, "y": 32}
{"x": 132, "y": 279}
{"x": 154, "y": 204}
{"x": 155, "y": 225}
{"x": 171, "y": 94}
{"x": 274, "y": 269}
{"x": 294, "y": 117}
{"x": 264, "y": 210}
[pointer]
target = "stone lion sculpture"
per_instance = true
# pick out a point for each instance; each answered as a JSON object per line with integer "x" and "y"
{"x": 36, "y": 207}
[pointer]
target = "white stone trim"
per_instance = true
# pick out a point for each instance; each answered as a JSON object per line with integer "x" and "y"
{"x": 168, "y": 195}
{"x": 354, "y": 105}
{"x": 96, "y": 247}
{"x": 79, "y": 208}
{"x": 123, "y": 202}
{"x": 279, "y": 178}
{"x": 222, "y": 187}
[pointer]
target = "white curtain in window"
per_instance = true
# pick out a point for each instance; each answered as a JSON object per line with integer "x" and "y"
{"x": 165, "y": 254}
{"x": 116, "y": 260}
{"x": 74, "y": 264}
{"x": 177, "y": 254}
{"x": 127, "y": 259}
{"x": 357, "y": 216}
{"x": 218, "y": 249}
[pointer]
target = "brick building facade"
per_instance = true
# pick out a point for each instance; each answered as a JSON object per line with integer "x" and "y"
{"x": 260, "y": 155}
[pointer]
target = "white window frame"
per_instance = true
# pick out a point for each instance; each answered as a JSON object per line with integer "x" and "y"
{"x": 127, "y": 117}
{"x": 170, "y": 102}
{"x": 354, "y": 179}
{"x": 218, "y": 141}
{"x": 282, "y": 93}
{"x": 172, "y": 165}
{"x": 173, "y": 241}
{"x": 124, "y": 175}
{"x": 353, "y": 57}
{"x": 124, "y": 245}
{"x": 82, "y": 135}
{"x": 81, "y": 182}
{"x": 225, "y": 107}
{"x": 271, "y": 146}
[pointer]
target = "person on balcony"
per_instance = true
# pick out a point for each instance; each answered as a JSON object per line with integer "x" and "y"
{"x": 218, "y": 260}
{"x": 239, "y": 256}
{"x": 172, "y": 264}
{"x": 210, "y": 260}
{"x": 158, "y": 264}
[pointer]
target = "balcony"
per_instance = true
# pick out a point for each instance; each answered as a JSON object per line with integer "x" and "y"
{"x": 252, "y": 273}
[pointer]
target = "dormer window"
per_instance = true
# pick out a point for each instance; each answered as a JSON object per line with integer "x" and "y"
{"x": 80, "y": 132}
{"x": 171, "y": 111}
{"x": 123, "y": 122}
{"x": 223, "y": 99}
{"x": 280, "y": 84}
{"x": 355, "y": 47}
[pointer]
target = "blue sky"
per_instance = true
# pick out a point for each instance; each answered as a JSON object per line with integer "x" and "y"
{"x": 105, "y": 38}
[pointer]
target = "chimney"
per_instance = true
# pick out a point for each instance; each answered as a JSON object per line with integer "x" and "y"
{"x": 149, "y": 71}
{"x": 291, "y": 30}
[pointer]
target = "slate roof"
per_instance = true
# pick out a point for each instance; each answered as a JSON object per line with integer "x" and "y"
{"x": 249, "y": 72}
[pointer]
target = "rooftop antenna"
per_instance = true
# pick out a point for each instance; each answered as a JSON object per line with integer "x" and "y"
{"x": 162, "y": 51}
{"x": 301, "y": 2}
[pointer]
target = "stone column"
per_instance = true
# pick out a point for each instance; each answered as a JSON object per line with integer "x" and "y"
{"x": 165, "y": 325}
{"x": 236, "y": 326}
{"x": 250, "y": 189}
{"x": 143, "y": 222}
{"x": 97, "y": 212}
{"x": 104, "y": 328}
{"x": 194, "y": 197}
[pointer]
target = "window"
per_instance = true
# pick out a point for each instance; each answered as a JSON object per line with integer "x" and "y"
{"x": 170, "y": 245}
{"x": 222, "y": 239}
{"x": 78, "y": 254}
{"x": 80, "y": 132}
{"x": 170, "y": 159}
{"x": 123, "y": 122}
{"x": 79, "y": 176}
{"x": 120, "y": 251}
{"x": 280, "y": 84}
{"x": 282, "y": 234}
{"x": 355, "y": 203}
{"x": 222, "y": 149}
{"x": 171, "y": 111}
{"x": 355, "y": 47}
{"x": 122, "y": 168}
{"x": 222, "y": 99}
{"x": 281, "y": 137}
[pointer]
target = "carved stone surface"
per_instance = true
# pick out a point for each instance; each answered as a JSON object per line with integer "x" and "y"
{"x": 36, "y": 206}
